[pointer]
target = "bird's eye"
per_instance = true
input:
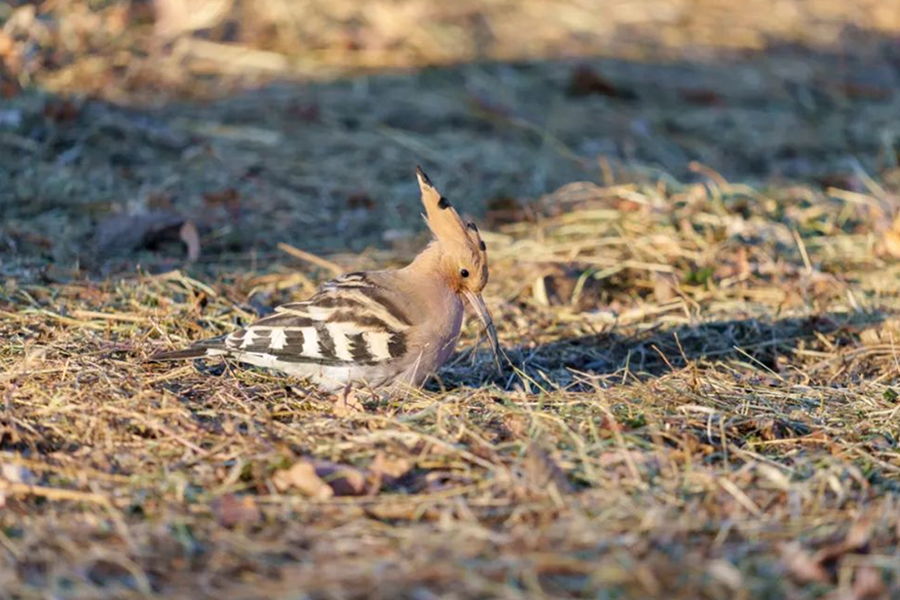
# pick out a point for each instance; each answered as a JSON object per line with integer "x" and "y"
{"x": 464, "y": 272}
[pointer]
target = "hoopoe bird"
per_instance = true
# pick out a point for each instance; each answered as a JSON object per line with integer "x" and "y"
{"x": 375, "y": 328}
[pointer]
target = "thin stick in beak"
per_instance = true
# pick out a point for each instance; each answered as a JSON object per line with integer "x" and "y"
{"x": 481, "y": 310}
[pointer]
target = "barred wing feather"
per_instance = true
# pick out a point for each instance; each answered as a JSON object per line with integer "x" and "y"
{"x": 350, "y": 320}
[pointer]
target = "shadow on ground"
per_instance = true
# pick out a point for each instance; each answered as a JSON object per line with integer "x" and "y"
{"x": 89, "y": 188}
{"x": 764, "y": 349}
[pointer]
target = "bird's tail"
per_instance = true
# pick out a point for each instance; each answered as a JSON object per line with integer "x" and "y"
{"x": 211, "y": 347}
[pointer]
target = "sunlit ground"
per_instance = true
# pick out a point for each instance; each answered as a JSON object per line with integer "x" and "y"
{"x": 691, "y": 214}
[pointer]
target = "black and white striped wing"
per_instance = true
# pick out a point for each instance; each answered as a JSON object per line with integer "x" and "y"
{"x": 350, "y": 321}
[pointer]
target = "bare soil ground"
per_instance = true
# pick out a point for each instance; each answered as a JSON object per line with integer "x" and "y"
{"x": 691, "y": 211}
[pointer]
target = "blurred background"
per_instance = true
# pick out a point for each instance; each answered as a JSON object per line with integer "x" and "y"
{"x": 230, "y": 125}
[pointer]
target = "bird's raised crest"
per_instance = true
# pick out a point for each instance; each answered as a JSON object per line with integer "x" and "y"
{"x": 442, "y": 219}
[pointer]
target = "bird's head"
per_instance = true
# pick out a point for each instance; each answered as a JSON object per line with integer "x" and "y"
{"x": 463, "y": 254}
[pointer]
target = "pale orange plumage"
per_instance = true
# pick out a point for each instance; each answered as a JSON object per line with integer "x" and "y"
{"x": 376, "y": 328}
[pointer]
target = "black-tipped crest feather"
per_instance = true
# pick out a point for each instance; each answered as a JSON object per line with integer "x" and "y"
{"x": 422, "y": 175}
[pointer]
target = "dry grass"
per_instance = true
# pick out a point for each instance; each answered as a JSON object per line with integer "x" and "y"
{"x": 710, "y": 441}
{"x": 704, "y": 400}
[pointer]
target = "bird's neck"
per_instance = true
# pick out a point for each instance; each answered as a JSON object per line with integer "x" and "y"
{"x": 429, "y": 265}
{"x": 427, "y": 280}
{"x": 439, "y": 307}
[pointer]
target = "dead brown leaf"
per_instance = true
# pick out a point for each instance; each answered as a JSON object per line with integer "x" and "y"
{"x": 321, "y": 479}
{"x": 231, "y": 510}
{"x": 868, "y": 583}
{"x": 820, "y": 566}
{"x": 228, "y": 199}
{"x": 343, "y": 479}
{"x": 585, "y": 81}
{"x": 801, "y": 564}
{"x": 61, "y": 111}
{"x": 856, "y": 539}
{"x": 302, "y": 476}
{"x": 7, "y": 45}
{"x": 360, "y": 199}
{"x": 665, "y": 286}
{"x": 861, "y": 90}
{"x": 347, "y": 405}
{"x": 735, "y": 264}
{"x": 701, "y": 96}
{"x": 386, "y": 470}
{"x": 178, "y": 17}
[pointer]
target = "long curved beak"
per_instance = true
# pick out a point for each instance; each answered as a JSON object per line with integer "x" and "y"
{"x": 481, "y": 310}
